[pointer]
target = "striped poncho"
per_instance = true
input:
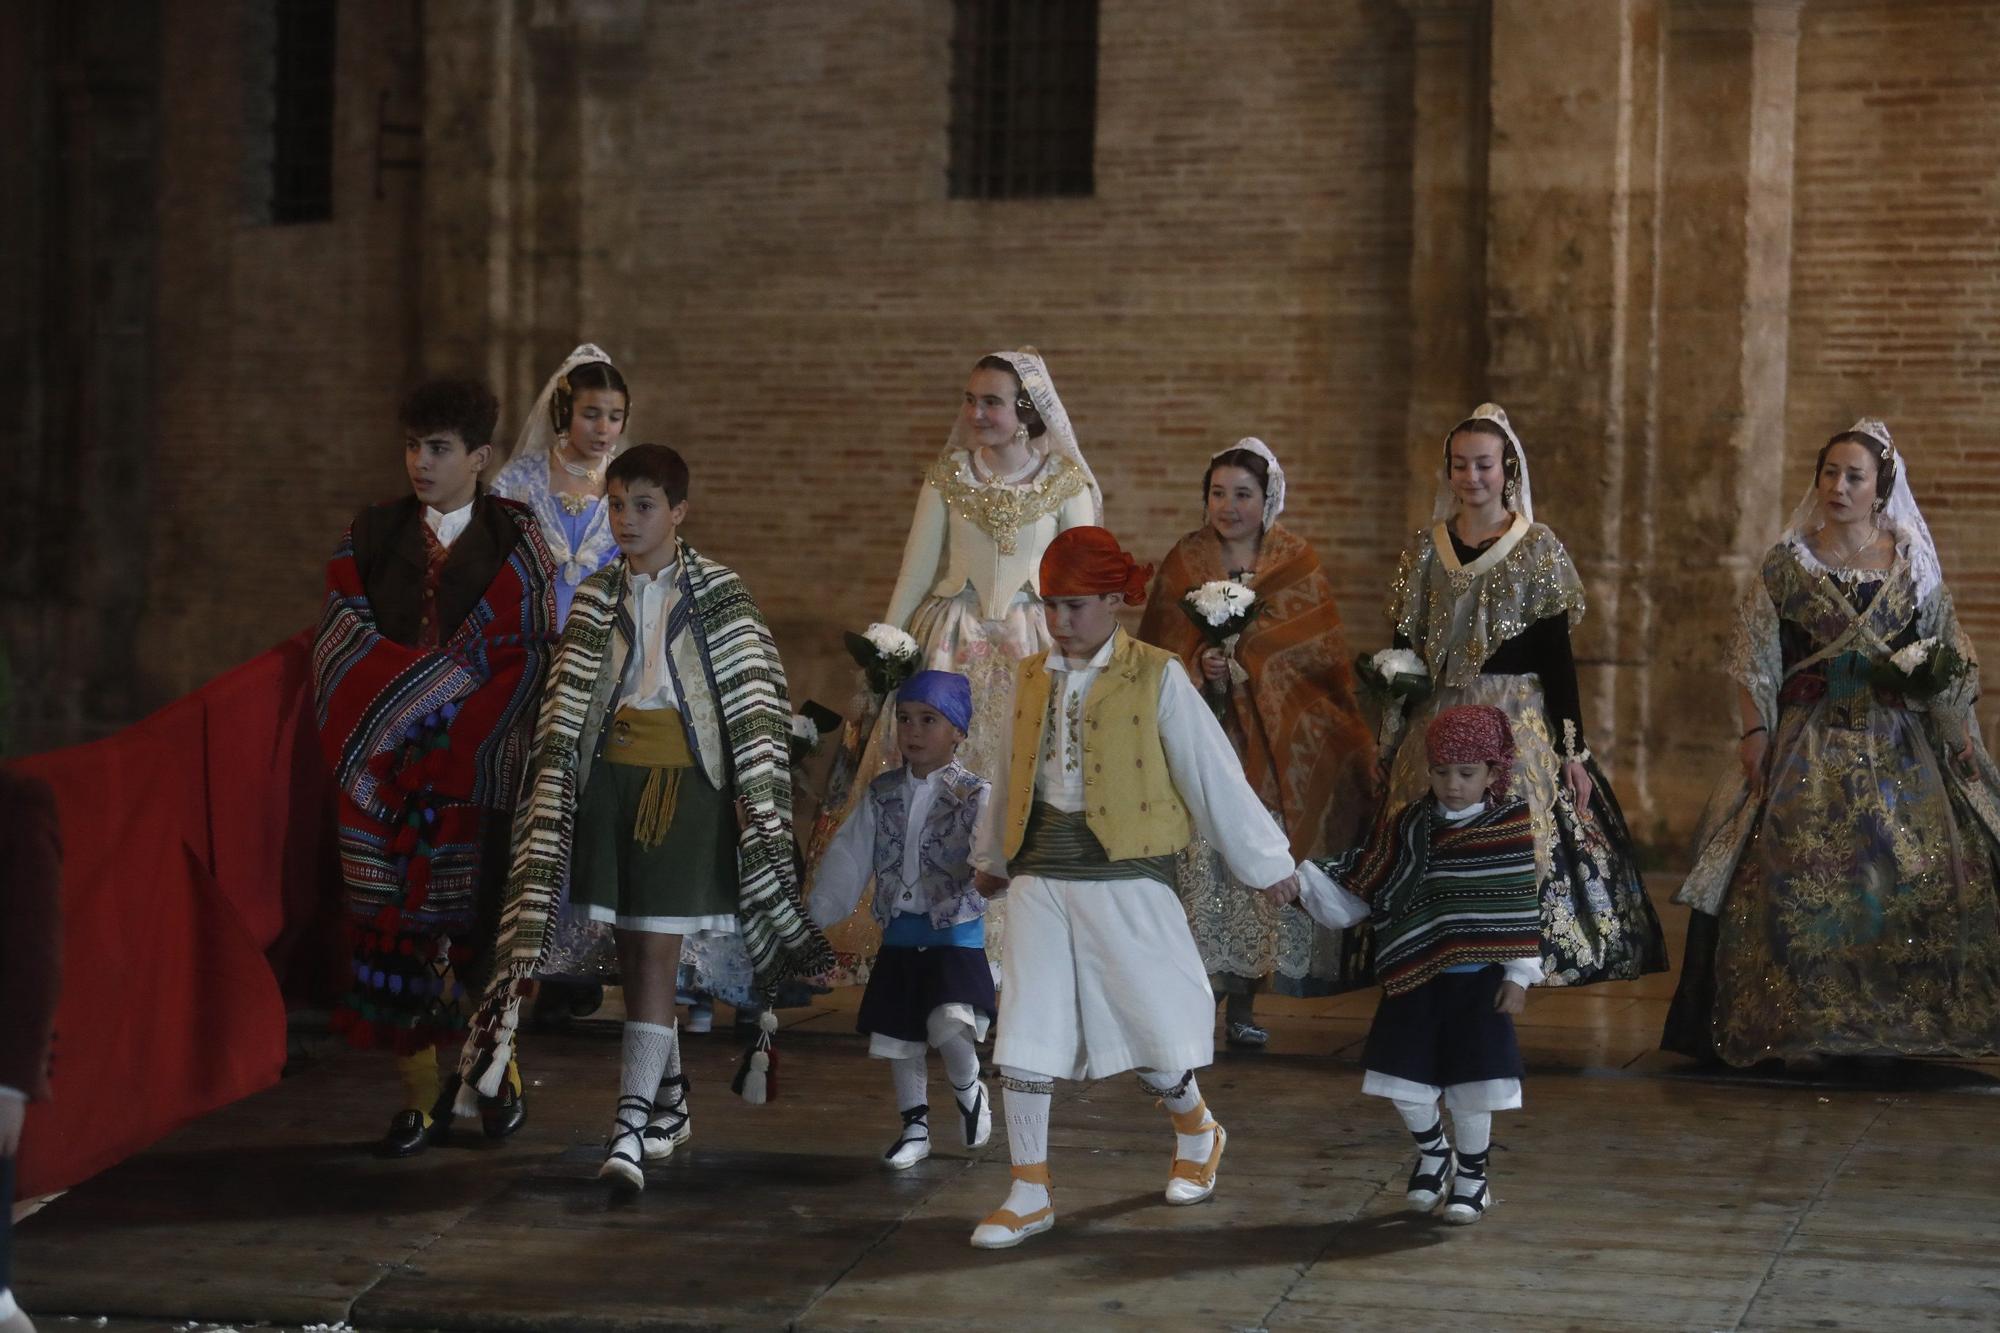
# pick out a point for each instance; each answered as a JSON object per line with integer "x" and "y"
{"x": 426, "y": 746}
{"x": 1443, "y": 894}
{"x": 740, "y": 659}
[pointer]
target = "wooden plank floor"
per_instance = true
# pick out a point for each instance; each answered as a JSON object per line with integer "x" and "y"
{"x": 1632, "y": 1195}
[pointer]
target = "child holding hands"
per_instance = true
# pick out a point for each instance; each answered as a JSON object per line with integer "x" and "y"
{"x": 930, "y": 986}
{"x": 1449, "y": 884}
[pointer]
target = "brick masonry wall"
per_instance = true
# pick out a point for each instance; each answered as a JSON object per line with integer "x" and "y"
{"x": 1896, "y": 268}
{"x": 282, "y": 350}
{"x": 800, "y": 304}
{"x": 763, "y": 240}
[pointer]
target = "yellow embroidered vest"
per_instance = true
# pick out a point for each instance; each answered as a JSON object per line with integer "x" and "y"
{"x": 1129, "y": 803}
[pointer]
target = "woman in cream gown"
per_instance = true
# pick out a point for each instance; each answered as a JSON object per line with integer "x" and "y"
{"x": 1011, "y": 476}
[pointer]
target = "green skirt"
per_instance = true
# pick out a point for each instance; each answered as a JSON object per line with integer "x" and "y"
{"x": 685, "y": 885}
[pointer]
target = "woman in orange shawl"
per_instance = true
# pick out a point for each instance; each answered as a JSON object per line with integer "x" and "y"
{"x": 1285, "y": 695}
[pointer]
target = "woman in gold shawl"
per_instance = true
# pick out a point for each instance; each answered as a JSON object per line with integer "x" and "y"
{"x": 1284, "y": 692}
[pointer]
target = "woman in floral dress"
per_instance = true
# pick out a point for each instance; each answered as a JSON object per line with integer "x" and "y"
{"x": 1843, "y": 887}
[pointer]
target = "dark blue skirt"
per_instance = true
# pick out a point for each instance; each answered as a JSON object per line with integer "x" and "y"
{"x": 907, "y": 984}
{"x": 1445, "y": 1032}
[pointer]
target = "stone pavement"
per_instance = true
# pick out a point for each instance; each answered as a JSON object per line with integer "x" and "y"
{"x": 1632, "y": 1194}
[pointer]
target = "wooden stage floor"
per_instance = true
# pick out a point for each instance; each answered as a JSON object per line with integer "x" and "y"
{"x": 1633, "y": 1194}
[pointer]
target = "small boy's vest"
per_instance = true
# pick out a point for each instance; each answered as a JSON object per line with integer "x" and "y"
{"x": 1129, "y": 801}
{"x": 944, "y": 859}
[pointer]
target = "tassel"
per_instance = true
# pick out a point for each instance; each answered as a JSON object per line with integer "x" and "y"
{"x": 656, "y": 806}
{"x": 756, "y": 1080}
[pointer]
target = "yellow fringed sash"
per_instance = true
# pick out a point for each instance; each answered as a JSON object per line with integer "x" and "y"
{"x": 652, "y": 738}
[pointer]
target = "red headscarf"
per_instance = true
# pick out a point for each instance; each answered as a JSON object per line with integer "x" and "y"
{"x": 1473, "y": 734}
{"x": 1085, "y": 562}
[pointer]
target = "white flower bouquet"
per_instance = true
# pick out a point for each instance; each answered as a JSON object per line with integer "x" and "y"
{"x": 886, "y": 655}
{"x": 1922, "y": 669}
{"x": 1221, "y": 609}
{"x": 1395, "y": 672}
{"x": 809, "y": 728}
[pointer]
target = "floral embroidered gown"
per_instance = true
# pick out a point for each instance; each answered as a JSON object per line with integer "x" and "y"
{"x": 1848, "y": 906}
{"x": 1493, "y": 627}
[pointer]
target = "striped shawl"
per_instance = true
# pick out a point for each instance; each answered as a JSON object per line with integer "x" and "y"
{"x": 1445, "y": 894}
{"x": 740, "y": 660}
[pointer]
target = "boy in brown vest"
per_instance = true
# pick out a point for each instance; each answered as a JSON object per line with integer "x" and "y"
{"x": 1116, "y": 762}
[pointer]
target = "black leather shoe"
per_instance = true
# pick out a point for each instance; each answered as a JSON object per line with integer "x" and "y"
{"x": 441, "y": 1111}
{"x": 502, "y": 1115}
{"x": 407, "y": 1136}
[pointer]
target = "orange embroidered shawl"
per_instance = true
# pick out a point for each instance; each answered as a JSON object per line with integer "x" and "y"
{"x": 1305, "y": 747}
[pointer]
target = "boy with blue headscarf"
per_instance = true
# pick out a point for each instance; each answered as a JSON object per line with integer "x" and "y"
{"x": 912, "y": 835}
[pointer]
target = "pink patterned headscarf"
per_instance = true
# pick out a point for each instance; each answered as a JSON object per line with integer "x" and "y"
{"x": 1473, "y": 734}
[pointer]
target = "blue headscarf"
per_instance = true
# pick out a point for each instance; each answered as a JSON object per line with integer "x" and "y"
{"x": 946, "y": 691}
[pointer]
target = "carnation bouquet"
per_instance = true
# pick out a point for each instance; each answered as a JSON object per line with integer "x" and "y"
{"x": 1396, "y": 673}
{"x": 1221, "y": 609}
{"x": 1922, "y": 670}
{"x": 886, "y": 655}
{"x": 810, "y": 724}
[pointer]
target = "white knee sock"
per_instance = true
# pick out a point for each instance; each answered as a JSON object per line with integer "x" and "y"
{"x": 1419, "y": 1117}
{"x": 1474, "y": 1130}
{"x": 673, "y": 1065}
{"x": 912, "y": 1081}
{"x": 1426, "y": 1126}
{"x": 1026, "y": 1096}
{"x": 1180, "y": 1094}
{"x": 646, "y": 1049}
{"x": 961, "y": 1065}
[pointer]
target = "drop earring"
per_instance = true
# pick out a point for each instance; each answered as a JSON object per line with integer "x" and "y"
{"x": 1021, "y": 436}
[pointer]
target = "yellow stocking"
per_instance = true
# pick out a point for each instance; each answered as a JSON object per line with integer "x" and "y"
{"x": 419, "y": 1072}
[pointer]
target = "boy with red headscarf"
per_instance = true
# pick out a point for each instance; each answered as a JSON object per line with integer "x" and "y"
{"x": 1450, "y": 884}
{"x": 1115, "y": 763}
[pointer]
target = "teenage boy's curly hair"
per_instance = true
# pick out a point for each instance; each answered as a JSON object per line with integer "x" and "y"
{"x": 655, "y": 463}
{"x": 465, "y": 406}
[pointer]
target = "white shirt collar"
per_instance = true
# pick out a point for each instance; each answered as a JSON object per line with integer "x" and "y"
{"x": 931, "y": 779}
{"x": 447, "y": 527}
{"x": 1456, "y": 815}
{"x": 664, "y": 578}
{"x": 1097, "y": 661}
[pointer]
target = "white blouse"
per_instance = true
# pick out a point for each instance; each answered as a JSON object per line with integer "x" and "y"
{"x": 948, "y": 553}
{"x": 649, "y": 681}
{"x": 1206, "y": 772}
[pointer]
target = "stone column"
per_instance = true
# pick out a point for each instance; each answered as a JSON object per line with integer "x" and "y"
{"x": 525, "y": 146}
{"x": 1714, "y": 496}
{"x": 472, "y": 94}
{"x": 1448, "y": 231}
{"x": 1574, "y": 87}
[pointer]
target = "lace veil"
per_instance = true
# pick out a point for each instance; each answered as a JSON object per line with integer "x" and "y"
{"x": 1523, "y": 502}
{"x": 538, "y": 429}
{"x": 1274, "y": 490}
{"x": 1900, "y": 516}
{"x": 1060, "y": 438}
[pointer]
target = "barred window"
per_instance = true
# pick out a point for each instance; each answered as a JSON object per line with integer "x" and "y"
{"x": 302, "y": 111}
{"x": 1023, "y": 98}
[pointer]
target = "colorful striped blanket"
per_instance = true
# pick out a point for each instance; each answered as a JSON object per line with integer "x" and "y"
{"x": 743, "y": 670}
{"x": 1443, "y": 894}
{"x": 426, "y": 745}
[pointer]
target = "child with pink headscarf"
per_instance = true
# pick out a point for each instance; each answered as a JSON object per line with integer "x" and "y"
{"x": 1449, "y": 884}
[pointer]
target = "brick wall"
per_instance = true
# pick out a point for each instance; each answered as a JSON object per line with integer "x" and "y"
{"x": 800, "y": 303}
{"x": 749, "y": 211}
{"x": 1896, "y": 270}
{"x": 282, "y": 350}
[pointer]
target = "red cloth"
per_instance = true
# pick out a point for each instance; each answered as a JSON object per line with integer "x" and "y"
{"x": 197, "y": 887}
{"x": 1473, "y": 734}
{"x": 1088, "y": 562}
